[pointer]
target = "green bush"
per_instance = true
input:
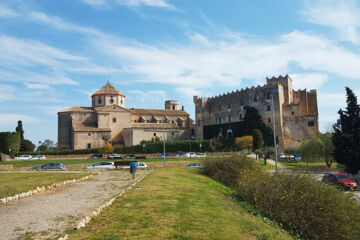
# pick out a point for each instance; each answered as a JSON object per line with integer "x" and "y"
{"x": 299, "y": 203}
{"x": 9, "y": 140}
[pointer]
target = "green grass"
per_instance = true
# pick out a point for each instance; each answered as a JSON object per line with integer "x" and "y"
{"x": 13, "y": 183}
{"x": 309, "y": 166}
{"x": 86, "y": 161}
{"x": 178, "y": 203}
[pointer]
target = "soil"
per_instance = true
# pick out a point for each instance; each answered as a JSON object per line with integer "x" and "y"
{"x": 50, "y": 214}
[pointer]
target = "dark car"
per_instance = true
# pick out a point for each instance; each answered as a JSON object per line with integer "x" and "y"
{"x": 340, "y": 180}
{"x": 129, "y": 155}
{"x": 161, "y": 155}
{"x": 96, "y": 155}
{"x": 114, "y": 156}
{"x": 178, "y": 154}
{"x": 50, "y": 166}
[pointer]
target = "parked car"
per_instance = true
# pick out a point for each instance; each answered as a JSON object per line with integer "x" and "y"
{"x": 101, "y": 165}
{"x": 140, "y": 165}
{"x": 23, "y": 157}
{"x": 200, "y": 155}
{"x": 161, "y": 155}
{"x": 38, "y": 157}
{"x": 195, "y": 165}
{"x": 96, "y": 155}
{"x": 282, "y": 155}
{"x": 297, "y": 157}
{"x": 340, "y": 180}
{"x": 53, "y": 165}
{"x": 178, "y": 154}
{"x": 114, "y": 156}
{"x": 189, "y": 154}
{"x": 129, "y": 155}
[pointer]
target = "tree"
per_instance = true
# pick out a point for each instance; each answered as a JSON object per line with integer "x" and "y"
{"x": 9, "y": 142}
{"x": 26, "y": 146}
{"x": 346, "y": 136}
{"x": 245, "y": 142}
{"x": 214, "y": 144}
{"x": 107, "y": 148}
{"x": 266, "y": 153}
{"x": 258, "y": 141}
{"x": 20, "y": 130}
{"x": 46, "y": 145}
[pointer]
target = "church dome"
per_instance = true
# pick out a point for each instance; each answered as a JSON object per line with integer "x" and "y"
{"x": 108, "y": 89}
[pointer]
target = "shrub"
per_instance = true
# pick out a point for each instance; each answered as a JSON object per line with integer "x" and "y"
{"x": 299, "y": 203}
{"x": 10, "y": 140}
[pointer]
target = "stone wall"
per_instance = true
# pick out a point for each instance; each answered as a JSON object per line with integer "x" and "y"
{"x": 96, "y": 139}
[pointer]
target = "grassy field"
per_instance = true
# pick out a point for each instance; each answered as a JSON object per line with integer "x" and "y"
{"x": 178, "y": 203}
{"x": 13, "y": 183}
{"x": 310, "y": 166}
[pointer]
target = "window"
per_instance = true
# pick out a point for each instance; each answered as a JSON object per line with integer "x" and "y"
{"x": 292, "y": 113}
{"x": 219, "y": 107}
{"x": 267, "y": 96}
{"x": 114, "y": 120}
{"x": 154, "y": 134}
{"x": 229, "y": 106}
{"x": 172, "y": 121}
{"x": 89, "y": 145}
{"x": 148, "y": 121}
{"x": 229, "y": 118}
{"x": 172, "y": 134}
{"x": 84, "y": 114}
{"x": 241, "y": 117}
{"x": 89, "y": 134}
{"x": 255, "y": 98}
{"x": 103, "y": 138}
{"x": 198, "y": 110}
{"x": 99, "y": 101}
{"x": 219, "y": 119}
{"x": 241, "y": 102}
{"x": 121, "y": 101}
{"x": 311, "y": 123}
{"x": 198, "y": 123}
{"x": 268, "y": 108}
{"x": 269, "y": 120}
{"x": 173, "y": 107}
{"x": 111, "y": 100}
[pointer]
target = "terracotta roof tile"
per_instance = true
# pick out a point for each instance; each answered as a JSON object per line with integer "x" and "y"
{"x": 159, "y": 112}
{"x": 108, "y": 89}
{"x": 77, "y": 109}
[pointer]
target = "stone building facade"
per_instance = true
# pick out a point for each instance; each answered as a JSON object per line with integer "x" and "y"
{"x": 109, "y": 120}
{"x": 296, "y": 111}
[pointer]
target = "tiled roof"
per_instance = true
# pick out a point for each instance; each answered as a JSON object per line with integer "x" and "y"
{"x": 159, "y": 112}
{"x": 155, "y": 126}
{"x": 108, "y": 89}
{"x": 77, "y": 109}
{"x": 83, "y": 128}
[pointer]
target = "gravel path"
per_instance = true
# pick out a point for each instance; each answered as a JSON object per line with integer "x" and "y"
{"x": 50, "y": 214}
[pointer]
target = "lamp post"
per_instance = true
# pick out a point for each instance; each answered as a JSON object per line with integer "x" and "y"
{"x": 39, "y": 147}
{"x": 144, "y": 147}
{"x": 164, "y": 120}
{"x": 273, "y": 119}
{"x": 200, "y": 147}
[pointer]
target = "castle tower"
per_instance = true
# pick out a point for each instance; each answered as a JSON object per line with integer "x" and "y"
{"x": 108, "y": 95}
{"x": 286, "y": 82}
{"x": 171, "y": 105}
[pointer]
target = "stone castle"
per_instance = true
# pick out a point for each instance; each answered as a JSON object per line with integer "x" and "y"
{"x": 296, "y": 112}
{"x": 109, "y": 120}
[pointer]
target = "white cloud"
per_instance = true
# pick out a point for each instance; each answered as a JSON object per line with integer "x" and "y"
{"x": 150, "y": 3}
{"x": 8, "y": 119}
{"x": 36, "y": 85}
{"x": 7, "y": 92}
{"x": 343, "y": 16}
{"x": 308, "y": 80}
{"x": 331, "y": 99}
{"x": 7, "y": 12}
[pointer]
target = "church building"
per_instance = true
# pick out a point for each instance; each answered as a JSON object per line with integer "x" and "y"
{"x": 109, "y": 120}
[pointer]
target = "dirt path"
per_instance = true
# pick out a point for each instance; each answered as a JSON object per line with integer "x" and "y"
{"x": 49, "y": 215}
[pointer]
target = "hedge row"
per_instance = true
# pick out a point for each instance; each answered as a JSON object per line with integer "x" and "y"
{"x": 9, "y": 141}
{"x": 299, "y": 203}
{"x": 155, "y": 147}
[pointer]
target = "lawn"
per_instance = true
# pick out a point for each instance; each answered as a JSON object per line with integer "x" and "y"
{"x": 178, "y": 203}
{"x": 309, "y": 166}
{"x": 13, "y": 183}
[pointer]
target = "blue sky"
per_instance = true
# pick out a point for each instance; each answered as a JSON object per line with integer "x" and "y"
{"x": 54, "y": 54}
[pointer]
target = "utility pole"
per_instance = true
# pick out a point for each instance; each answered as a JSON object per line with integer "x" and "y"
{"x": 273, "y": 119}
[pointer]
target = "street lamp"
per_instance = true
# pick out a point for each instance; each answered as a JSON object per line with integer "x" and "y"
{"x": 200, "y": 147}
{"x": 273, "y": 119}
{"x": 144, "y": 148}
{"x": 164, "y": 120}
{"x": 39, "y": 147}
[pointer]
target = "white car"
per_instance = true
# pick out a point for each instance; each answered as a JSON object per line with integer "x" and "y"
{"x": 101, "y": 165}
{"x": 189, "y": 154}
{"x": 23, "y": 157}
{"x": 140, "y": 165}
{"x": 38, "y": 157}
{"x": 200, "y": 155}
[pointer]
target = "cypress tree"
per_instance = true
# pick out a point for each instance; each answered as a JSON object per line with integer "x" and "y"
{"x": 20, "y": 129}
{"x": 346, "y": 137}
{"x": 258, "y": 141}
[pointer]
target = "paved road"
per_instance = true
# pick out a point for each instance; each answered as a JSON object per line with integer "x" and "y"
{"x": 50, "y": 214}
